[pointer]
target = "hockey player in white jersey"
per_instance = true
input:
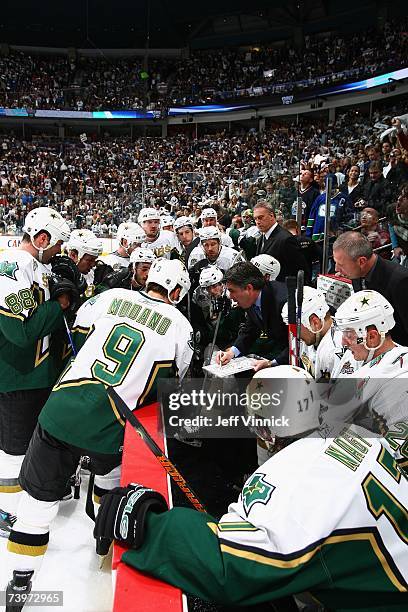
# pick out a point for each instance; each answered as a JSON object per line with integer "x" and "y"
{"x": 325, "y": 515}
{"x": 84, "y": 248}
{"x": 377, "y": 394}
{"x": 210, "y": 251}
{"x": 130, "y": 235}
{"x": 126, "y": 339}
{"x": 162, "y": 242}
{"x": 31, "y": 353}
{"x": 141, "y": 261}
{"x": 209, "y": 219}
{"x": 320, "y": 347}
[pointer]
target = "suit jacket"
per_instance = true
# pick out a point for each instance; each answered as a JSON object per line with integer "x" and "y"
{"x": 391, "y": 280}
{"x": 285, "y": 248}
{"x": 274, "y": 295}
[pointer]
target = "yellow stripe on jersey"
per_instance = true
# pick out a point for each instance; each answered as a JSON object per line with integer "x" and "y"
{"x": 304, "y": 558}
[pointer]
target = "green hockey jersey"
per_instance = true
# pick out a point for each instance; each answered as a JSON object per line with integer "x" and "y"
{"x": 30, "y": 354}
{"x": 327, "y": 516}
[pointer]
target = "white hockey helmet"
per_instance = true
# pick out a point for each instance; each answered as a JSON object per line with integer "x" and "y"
{"x": 208, "y": 213}
{"x": 210, "y": 276}
{"x": 131, "y": 232}
{"x": 362, "y": 309}
{"x": 209, "y": 233}
{"x": 183, "y": 222}
{"x": 267, "y": 265}
{"x": 146, "y": 214}
{"x": 314, "y": 302}
{"x": 140, "y": 255}
{"x": 47, "y": 220}
{"x": 169, "y": 274}
{"x": 85, "y": 243}
{"x": 166, "y": 220}
{"x": 278, "y": 397}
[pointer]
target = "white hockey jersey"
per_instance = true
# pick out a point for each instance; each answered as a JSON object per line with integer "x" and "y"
{"x": 226, "y": 258}
{"x": 377, "y": 389}
{"x": 27, "y": 318}
{"x": 133, "y": 336}
{"x": 320, "y": 361}
{"x": 326, "y": 516}
{"x": 324, "y": 497}
{"x": 117, "y": 262}
{"x": 163, "y": 245}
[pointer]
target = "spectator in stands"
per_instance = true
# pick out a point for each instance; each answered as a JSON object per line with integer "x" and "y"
{"x": 375, "y": 233}
{"x": 376, "y": 191}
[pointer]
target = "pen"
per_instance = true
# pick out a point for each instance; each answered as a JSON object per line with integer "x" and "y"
{"x": 220, "y": 356}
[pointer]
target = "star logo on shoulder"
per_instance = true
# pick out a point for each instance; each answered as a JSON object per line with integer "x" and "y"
{"x": 256, "y": 490}
{"x": 9, "y": 269}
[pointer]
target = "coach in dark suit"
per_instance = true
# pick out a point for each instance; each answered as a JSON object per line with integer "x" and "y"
{"x": 278, "y": 242}
{"x": 263, "y": 302}
{"x": 355, "y": 259}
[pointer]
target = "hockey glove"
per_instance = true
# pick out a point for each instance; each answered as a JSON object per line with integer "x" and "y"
{"x": 101, "y": 270}
{"x": 65, "y": 267}
{"x": 123, "y": 512}
{"x": 58, "y": 286}
{"x": 118, "y": 280}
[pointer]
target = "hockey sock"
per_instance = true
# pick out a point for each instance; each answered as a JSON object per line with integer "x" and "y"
{"x": 9, "y": 470}
{"x": 28, "y": 539}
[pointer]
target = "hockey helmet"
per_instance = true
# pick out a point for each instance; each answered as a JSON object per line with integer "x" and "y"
{"x": 275, "y": 400}
{"x": 85, "y": 243}
{"x": 183, "y": 222}
{"x": 208, "y": 213}
{"x": 47, "y": 220}
{"x": 166, "y": 220}
{"x": 209, "y": 233}
{"x": 210, "y": 276}
{"x": 140, "y": 255}
{"x": 267, "y": 265}
{"x": 169, "y": 274}
{"x": 314, "y": 302}
{"x": 131, "y": 232}
{"x": 362, "y": 309}
{"x": 147, "y": 214}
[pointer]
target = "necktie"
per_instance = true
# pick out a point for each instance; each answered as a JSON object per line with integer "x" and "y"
{"x": 256, "y": 309}
{"x": 263, "y": 240}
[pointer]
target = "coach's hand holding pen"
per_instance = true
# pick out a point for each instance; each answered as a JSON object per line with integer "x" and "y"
{"x": 224, "y": 357}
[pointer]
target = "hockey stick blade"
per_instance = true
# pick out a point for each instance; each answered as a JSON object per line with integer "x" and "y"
{"x": 170, "y": 468}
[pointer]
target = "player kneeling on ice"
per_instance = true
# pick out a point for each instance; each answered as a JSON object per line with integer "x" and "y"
{"x": 323, "y": 515}
{"x": 125, "y": 339}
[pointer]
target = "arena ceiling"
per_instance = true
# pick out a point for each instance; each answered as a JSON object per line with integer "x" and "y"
{"x": 212, "y": 23}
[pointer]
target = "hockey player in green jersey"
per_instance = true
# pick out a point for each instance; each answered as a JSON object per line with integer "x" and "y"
{"x": 30, "y": 358}
{"x": 125, "y": 339}
{"x": 325, "y": 515}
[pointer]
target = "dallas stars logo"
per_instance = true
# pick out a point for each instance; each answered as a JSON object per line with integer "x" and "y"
{"x": 9, "y": 269}
{"x": 365, "y": 301}
{"x": 256, "y": 490}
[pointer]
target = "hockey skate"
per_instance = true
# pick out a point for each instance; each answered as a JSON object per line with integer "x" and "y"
{"x": 17, "y": 590}
{"x": 7, "y": 521}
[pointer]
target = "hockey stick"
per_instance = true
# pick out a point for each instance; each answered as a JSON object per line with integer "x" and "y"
{"x": 299, "y": 301}
{"x": 292, "y": 327}
{"x": 128, "y": 415}
{"x": 165, "y": 462}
